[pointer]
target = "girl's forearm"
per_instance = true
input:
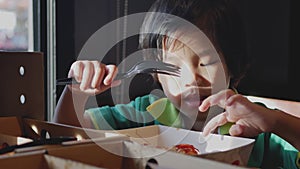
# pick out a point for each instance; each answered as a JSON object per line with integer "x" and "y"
{"x": 288, "y": 128}
{"x": 70, "y": 108}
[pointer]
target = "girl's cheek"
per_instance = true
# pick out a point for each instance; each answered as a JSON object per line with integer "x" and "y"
{"x": 220, "y": 79}
{"x": 174, "y": 99}
{"x": 171, "y": 85}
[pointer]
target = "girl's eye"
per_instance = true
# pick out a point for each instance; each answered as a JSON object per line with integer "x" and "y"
{"x": 207, "y": 64}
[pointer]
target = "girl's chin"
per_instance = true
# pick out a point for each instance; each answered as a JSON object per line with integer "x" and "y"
{"x": 193, "y": 112}
{"x": 190, "y": 112}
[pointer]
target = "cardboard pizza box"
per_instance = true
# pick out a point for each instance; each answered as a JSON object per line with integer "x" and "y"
{"x": 228, "y": 149}
{"x": 40, "y": 160}
{"x": 150, "y": 157}
{"x": 15, "y": 127}
{"x": 99, "y": 154}
{"x": 110, "y": 153}
{"x": 128, "y": 154}
{"x": 12, "y": 140}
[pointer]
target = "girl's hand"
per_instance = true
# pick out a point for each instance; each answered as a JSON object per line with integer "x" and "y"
{"x": 94, "y": 77}
{"x": 250, "y": 119}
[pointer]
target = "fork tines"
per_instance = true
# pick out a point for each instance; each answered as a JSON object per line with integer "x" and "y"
{"x": 148, "y": 66}
{"x": 172, "y": 69}
{"x": 172, "y": 73}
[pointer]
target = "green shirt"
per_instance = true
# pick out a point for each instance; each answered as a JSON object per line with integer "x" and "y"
{"x": 269, "y": 151}
{"x": 135, "y": 114}
{"x": 123, "y": 116}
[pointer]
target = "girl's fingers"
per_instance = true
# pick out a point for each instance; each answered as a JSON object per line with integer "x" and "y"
{"x": 103, "y": 79}
{"x": 236, "y": 130}
{"x": 87, "y": 76}
{"x": 214, "y": 123}
{"x": 223, "y": 119}
{"x": 78, "y": 69}
{"x": 111, "y": 72}
{"x": 99, "y": 73}
{"x": 94, "y": 77}
{"x": 71, "y": 73}
{"x": 216, "y": 99}
{"x": 75, "y": 72}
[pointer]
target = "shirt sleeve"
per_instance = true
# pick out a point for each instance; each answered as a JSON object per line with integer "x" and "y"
{"x": 271, "y": 151}
{"x": 122, "y": 116}
{"x": 165, "y": 113}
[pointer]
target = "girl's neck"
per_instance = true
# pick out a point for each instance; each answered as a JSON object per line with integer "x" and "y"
{"x": 192, "y": 124}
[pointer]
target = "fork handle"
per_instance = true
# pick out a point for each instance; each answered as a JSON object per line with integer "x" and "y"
{"x": 70, "y": 80}
{"x": 66, "y": 81}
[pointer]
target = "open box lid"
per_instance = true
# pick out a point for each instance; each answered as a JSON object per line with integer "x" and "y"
{"x": 31, "y": 128}
{"x": 22, "y": 84}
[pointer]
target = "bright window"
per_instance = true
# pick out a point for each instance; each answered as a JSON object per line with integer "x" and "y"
{"x": 16, "y": 26}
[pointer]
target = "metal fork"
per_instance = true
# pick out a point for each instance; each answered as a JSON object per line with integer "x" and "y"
{"x": 147, "y": 66}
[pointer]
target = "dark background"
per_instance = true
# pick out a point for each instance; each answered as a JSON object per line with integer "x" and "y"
{"x": 270, "y": 25}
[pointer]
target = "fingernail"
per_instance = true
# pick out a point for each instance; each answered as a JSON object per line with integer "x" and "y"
{"x": 235, "y": 130}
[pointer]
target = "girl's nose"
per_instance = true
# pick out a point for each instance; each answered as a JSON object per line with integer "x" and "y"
{"x": 195, "y": 78}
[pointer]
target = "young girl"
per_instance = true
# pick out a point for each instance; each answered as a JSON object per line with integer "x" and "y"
{"x": 211, "y": 57}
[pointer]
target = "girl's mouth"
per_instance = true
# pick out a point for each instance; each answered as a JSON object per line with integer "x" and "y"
{"x": 192, "y": 98}
{"x": 194, "y": 101}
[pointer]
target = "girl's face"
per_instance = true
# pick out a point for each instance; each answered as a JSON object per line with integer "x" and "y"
{"x": 203, "y": 72}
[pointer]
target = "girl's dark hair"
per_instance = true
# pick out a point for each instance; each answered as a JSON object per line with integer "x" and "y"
{"x": 219, "y": 20}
